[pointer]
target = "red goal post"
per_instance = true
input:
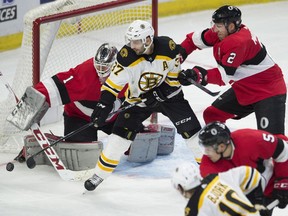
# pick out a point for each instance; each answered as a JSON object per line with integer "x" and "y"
{"x": 59, "y": 35}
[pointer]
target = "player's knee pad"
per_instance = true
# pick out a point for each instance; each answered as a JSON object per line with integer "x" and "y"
{"x": 155, "y": 140}
{"x": 75, "y": 156}
{"x": 212, "y": 113}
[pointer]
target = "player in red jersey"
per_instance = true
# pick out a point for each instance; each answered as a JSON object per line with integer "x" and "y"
{"x": 257, "y": 83}
{"x": 259, "y": 149}
{"x": 79, "y": 90}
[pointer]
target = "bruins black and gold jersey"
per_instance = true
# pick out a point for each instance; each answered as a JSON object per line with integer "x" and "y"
{"x": 225, "y": 193}
{"x": 145, "y": 72}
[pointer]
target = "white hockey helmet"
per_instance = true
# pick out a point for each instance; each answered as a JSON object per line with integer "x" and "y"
{"x": 104, "y": 58}
{"x": 139, "y": 30}
{"x": 186, "y": 176}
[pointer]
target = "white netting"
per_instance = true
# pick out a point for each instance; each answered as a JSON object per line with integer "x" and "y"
{"x": 66, "y": 43}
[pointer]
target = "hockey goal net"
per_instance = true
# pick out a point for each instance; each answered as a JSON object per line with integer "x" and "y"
{"x": 60, "y": 35}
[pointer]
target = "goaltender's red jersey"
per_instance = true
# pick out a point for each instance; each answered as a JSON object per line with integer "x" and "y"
{"x": 251, "y": 148}
{"x": 79, "y": 89}
{"x": 242, "y": 61}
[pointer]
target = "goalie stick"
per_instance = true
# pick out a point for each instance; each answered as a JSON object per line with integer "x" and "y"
{"x": 203, "y": 88}
{"x": 31, "y": 162}
{"x": 272, "y": 204}
{"x": 42, "y": 140}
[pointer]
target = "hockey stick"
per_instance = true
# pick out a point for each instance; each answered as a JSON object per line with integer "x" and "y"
{"x": 43, "y": 142}
{"x": 30, "y": 162}
{"x": 272, "y": 204}
{"x": 203, "y": 88}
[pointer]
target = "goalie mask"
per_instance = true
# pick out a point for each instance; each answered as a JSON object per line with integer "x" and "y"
{"x": 186, "y": 177}
{"x": 104, "y": 58}
{"x": 138, "y": 32}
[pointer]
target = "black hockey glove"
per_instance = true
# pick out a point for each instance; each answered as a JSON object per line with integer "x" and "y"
{"x": 102, "y": 109}
{"x": 280, "y": 192}
{"x": 198, "y": 74}
{"x": 153, "y": 97}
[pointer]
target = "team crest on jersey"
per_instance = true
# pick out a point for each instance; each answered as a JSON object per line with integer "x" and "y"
{"x": 172, "y": 45}
{"x": 149, "y": 80}
{"x": 124, "y": 52}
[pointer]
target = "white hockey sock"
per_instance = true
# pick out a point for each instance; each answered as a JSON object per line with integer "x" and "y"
{"x": 110, "y": 157}
{"x": 193, "y": 144}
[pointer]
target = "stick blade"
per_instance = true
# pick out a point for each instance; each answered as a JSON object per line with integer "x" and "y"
{"x": 30, "y": 162}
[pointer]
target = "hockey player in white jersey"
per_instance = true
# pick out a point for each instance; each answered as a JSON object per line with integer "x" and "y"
{"x": 219, "y": 194}
{"x": 150, "y": 66}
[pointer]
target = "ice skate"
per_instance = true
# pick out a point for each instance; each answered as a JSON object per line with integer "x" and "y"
{"x": 92, "y": 182}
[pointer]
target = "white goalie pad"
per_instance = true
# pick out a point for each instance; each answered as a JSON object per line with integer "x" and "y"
{"x": 29, "y": 110}
{"x": 158, "y": 140}
{"x": 75, "y": 156}
{"x": 166, "y": 140}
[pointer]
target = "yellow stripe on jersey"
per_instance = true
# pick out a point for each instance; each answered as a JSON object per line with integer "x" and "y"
{"x": 251, "y": 180}
{"x": 137, "y": 61}
{"x": 173, "y": 74}
{"x": 246, "y": 178}
{"x": 111, "y": 87}
{"x": 160, "y": 57}
{"x": 173, "y": 83}
{"x": 206, "y": 190}
{"x": 172, "y": 79}
{"x": 255, "y": 179}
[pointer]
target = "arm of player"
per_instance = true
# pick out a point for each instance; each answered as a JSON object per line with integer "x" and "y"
{"x": 103, "y": 108}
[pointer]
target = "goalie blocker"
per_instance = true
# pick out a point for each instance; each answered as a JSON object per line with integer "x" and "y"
{"x": 155, "y": 140}
{"x": 29, "y": 110}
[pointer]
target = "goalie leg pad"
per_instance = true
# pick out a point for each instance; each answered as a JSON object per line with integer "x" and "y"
{"x": 30, "y": 109}
{"x": 31, "y": 146}
{"x": 144, "y": 148}
{"x": 79, "y": 156}
{"x": 75, "y": 156}
{"x": 166, "y": 140}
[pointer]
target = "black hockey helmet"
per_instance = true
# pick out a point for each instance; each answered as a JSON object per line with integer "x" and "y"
{"x": 104, "y": 58}
{"x": 227, "y": 14}
{"x": 214, "y": 133}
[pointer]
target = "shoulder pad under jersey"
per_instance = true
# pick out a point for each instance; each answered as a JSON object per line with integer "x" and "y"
{"x": 166, "y": 46}
{"x": 126, "y": 56}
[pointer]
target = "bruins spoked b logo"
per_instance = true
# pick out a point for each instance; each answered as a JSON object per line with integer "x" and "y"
{"x": 149, "y": 80}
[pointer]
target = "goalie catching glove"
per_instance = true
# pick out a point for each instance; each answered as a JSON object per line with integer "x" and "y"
{"x": 280, "y": 192}
{"x": 198, "y": 74}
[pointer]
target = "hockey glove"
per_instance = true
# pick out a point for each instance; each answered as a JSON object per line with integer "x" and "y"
{"x": 198, "y": 74}
{"x": 153, "y": 97}
{"x": 280, "y": 192}
{"x": 103, "y": 108}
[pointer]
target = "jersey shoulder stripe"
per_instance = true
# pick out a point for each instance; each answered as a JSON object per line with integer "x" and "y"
{"x": 166, "y": 47}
